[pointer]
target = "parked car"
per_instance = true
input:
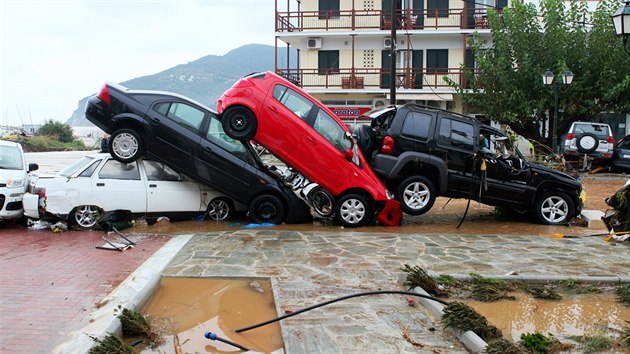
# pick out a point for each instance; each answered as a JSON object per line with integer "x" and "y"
{"x": 621, "y": 155}
{"x": 188, "y": 137}
{"x": 594, "y": 139}
{"x": 13, "y": 179}
{"x": 311, "y": 139}
{"x": 81, "y": 192}
{"x": 423, "y": 153}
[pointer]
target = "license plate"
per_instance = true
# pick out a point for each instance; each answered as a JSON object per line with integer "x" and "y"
{"x": 625, "y": 156}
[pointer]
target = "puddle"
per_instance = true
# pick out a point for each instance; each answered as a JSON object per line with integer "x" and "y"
{"x": 189, "y": 307}
{"x": 588, "y": 314}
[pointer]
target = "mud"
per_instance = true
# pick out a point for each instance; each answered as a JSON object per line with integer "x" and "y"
{"x": 189, "y": 307}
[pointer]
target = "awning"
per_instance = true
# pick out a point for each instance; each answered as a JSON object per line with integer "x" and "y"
{"x": 423, "y": 96}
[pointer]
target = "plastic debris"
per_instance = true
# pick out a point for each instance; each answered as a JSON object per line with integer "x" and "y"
{"x": 163, "y": 219}
{"x": 59, "y": 226}
{"x": 38, "y": 224}
{"x": 252, "y": 226}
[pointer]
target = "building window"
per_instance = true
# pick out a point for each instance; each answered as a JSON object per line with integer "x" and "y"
{"x": 328, "y": 9}
{"x": 328, "y": 62}
{"x": 437, "y": 61}
{"x": 439, "y": 7}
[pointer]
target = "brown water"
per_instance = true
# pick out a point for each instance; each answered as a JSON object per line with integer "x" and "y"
{"x": 189, "y": 307}
{"x": 589, "y": 314}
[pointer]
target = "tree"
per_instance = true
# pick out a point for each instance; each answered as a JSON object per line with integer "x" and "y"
{"x": 507, "y": 86}
{"x": 57, "y": 130}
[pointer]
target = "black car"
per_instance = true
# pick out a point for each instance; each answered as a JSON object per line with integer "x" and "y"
{"x": 188, "y": 137}
{"x": 621, "y": 155}
{"x": 422, "y": 153}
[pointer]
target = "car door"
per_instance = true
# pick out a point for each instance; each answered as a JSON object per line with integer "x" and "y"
{"x": 176, "y": 126}
{"x": 169, "y": 191}
{"x": 119, "y": 186}
{"x": 219, "y": 162}
{"x": 455, "y": 144}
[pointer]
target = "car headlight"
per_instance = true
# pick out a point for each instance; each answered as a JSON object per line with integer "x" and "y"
{"x": 15, "y": 183}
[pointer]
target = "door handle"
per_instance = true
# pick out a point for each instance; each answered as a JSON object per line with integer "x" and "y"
{"x": 157, "y": 120}
{"x": 273, "y": 109}
{"x": 311, "y": 140}
{"x": 152, "y": 185}
{"x": 100, "y": 184}
{"x": 207, "y": 148}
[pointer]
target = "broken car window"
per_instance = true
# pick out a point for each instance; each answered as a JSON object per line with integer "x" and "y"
{"x": 118, "y": 170}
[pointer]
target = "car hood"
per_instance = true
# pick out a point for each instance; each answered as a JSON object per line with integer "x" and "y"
{"x": 6, "y": 175}
{"x": 550, "y": 173}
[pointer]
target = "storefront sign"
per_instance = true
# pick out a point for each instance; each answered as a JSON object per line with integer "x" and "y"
{"x": 349, "y": 112}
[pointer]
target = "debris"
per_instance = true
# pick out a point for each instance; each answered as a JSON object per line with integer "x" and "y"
{"x": 38, "y": 225}
{"x": 252, "y": 226}
{"x": 163, "y": 219}
{"x": 59, "y": 227}
{"x": 116, "y": 219}
{"x": 118, "y": 246}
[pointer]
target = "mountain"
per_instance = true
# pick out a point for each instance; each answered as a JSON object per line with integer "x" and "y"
{"x": 203, "y": 80}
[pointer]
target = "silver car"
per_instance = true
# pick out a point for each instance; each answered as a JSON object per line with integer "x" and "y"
{"x": 594, "y": 139}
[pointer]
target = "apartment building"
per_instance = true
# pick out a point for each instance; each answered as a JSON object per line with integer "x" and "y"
{"x": 344, "y": 56}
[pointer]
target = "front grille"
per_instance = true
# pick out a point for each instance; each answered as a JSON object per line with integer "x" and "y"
{"x": 14, "y": 206}
{"x": 3, "y": 185}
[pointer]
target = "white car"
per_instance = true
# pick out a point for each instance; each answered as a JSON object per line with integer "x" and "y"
{"x": 97, "y": 183}
{"x": 594, "y": 139}
{"x": 13, "y": 179}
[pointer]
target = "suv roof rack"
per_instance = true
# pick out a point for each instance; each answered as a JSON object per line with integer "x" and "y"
{"x": 461, "y": 115}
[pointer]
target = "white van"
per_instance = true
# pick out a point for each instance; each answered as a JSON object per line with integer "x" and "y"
{"x": 13, "y": 179}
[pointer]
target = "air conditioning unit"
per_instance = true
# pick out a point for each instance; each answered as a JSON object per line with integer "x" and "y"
{"x": 314, "y": 43}
{"x": 387, "y": 42}
{"x": 379, "y": 102}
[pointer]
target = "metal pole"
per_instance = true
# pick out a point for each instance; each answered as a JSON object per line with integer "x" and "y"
{"x": 392, "y": 88}
{"x": 554, "y": 137}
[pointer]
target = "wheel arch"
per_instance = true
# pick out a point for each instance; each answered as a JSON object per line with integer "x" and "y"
{"x": 133, "y": 122}
{"x": 431, "y": 167}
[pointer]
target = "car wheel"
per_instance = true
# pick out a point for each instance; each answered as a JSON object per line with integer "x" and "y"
{"x": 125, "y": 145}
{"x": 266, "y": 209}
{"x": 554, "y": 208}
{"x": 587, "y": 143}
{"x": 239, "y": 123}
{"x": 322, "y": 201}
{"x": 352, "y": 210}
{"x": 416, "y": 195}
{"x": 85, "y": 216}
{"x": 219, "y": 209}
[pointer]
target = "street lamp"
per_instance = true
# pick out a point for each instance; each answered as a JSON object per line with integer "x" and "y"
{"x": 621, "y": 21}
{"x": 548, "y": 79}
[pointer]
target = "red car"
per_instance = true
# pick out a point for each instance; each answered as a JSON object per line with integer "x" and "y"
{"x": 310, "y": 138}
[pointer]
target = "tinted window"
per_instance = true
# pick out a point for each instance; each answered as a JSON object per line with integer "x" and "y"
{"x": 90, "y": 170}
{"x": 328, "y": 127}
{"x": 297, "y": 103}
{"x": 185, "y": 115}
{"x": 160, "y": 172}
{"x": 455, "y": 133}
{"x": 601, "y": 131}
{"x": 624, "y": 144}
{"x": 217, "y": 135}
{"x": 162, "y": 108}
{"x": 117, "y": 170}
{"x": 417, "y": 125}
{"x": 444, "y": 136}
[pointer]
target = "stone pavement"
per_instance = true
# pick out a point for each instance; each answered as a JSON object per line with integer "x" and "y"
{"x": 311, "y": 267}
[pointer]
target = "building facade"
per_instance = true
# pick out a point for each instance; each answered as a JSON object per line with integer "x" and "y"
{"x": 344, "y": 49}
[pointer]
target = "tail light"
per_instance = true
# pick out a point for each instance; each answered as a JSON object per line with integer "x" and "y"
{"x": 104, "y": 95}
{"x": 388, "y": 145}
{"x": 610, "y": 139}
{"x": 41, "y": 192}
{"x": 570, "y": 136}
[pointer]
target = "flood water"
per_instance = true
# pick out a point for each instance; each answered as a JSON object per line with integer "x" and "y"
{"x": 589, "y": 314}
{"x": 189, "y": 307}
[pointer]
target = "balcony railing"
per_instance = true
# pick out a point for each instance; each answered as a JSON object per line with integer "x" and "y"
{"x": 374, "y": 78}
{"x": 381, "y": 20}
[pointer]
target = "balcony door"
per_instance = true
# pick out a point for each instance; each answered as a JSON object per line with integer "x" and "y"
{"x": 386, "y": 69}
{"x": 417, "y": 66}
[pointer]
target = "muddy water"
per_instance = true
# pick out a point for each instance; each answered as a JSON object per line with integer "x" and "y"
{"x": 189, "y": 307}
{"x": 588, "y": 314}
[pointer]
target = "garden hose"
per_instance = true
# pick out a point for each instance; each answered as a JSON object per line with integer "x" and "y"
{"x": 336, "y": 300}
{"x": 213, "y": 336}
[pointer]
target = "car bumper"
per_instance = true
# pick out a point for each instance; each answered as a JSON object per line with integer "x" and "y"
{"x": 31, "y": 205}
{"x": 621, "y": 164}
{"x": 11, "y": 206}
{"x": 390, "y": 215}
{"x": 571, "y": 154}
{"x": 95, "y": 112}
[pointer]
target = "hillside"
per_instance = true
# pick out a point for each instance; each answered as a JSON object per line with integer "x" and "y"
{"x": 203, "y": 80}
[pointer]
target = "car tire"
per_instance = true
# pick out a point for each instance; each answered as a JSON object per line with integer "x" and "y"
{"x": 322, "y": 201}
{"x": 587, "y": 143}
{"x": 352, "y": 210}
{"x": 85, "y": 216}
{"x": 554, "y": 208}
{"x": 239, "y": 123}
{"x": 125, "y": 145}
{"x": 416, "y": 195}
{"x": 266, "y": 208}
{"x": 220, "y": 209}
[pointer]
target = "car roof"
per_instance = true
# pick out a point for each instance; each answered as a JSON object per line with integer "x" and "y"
{"x": 9, "y": 143}
{"x": 158, "y": 93}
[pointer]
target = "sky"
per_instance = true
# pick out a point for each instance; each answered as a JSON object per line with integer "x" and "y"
{"x": 55, "y": 52}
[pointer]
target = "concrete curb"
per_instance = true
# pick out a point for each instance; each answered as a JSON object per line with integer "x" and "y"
{"x": 131, "y": 293}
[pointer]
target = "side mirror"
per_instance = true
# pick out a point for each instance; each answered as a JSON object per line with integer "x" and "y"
{"x": 33, "y": 167}
{"x": 348, "y": 154}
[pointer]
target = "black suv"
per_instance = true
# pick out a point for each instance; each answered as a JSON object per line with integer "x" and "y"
{"x": 422, "y": 153}
{"x": 188, "y": 137}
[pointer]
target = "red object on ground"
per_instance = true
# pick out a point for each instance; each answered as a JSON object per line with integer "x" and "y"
{"x": 51, "y": 282}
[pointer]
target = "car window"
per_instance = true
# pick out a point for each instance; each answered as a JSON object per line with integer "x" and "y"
{"x": 162, "y": 108}
{"x": 118, "y": 170}
{"x": 417, "y": 125}
{"x": 297, "y": 103}
{"x": 600, "y": 130}
{"x": 11, "y": 158}
{"x": 624, "y": 144}
{"x": 217, "y": 135}
{"x": 159, "y": 172}
{"x": 328, "y": 127}
{"x": 90, "y": 170}
{"x": 455, "y": 133}
{"x": 72, "y": 169}
{"x": 186, "y": 115}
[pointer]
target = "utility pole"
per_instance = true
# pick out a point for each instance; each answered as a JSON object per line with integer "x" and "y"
{"x": 392, "y": 79}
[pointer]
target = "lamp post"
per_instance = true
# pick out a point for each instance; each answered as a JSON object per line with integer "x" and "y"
{"x": 548, "y": 79}
{"x": 621, "y": 21}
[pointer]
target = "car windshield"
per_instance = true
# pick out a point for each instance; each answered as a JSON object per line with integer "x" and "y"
{"x": 72, "y": 169}
{"x": 624, "y": 144}
{"x": 600, "y": 130}
{"x": 11, "y": 158}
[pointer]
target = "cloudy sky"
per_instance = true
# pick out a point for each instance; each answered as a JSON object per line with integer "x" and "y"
{"x": 55, "y": 52}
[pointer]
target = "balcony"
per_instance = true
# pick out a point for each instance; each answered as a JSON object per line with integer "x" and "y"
{"x": 350, "y": 20}
{"x": 374, "y": 78}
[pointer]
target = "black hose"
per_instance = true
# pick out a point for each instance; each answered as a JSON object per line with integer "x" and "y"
{"x": 339, "y": 299}
{"x": 213, "y": 336}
